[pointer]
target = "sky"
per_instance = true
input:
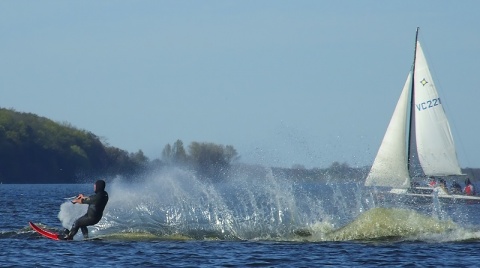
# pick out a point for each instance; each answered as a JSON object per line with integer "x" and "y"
{"x": 284, "y": 82}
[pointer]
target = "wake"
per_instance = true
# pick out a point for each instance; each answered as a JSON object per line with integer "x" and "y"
{"x": 176, "y": 205}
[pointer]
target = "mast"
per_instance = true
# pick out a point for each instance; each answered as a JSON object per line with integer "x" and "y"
{"x": 411, "y": 131}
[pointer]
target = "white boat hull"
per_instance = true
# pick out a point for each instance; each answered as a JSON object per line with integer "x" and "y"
{"x": 424, "y": 195}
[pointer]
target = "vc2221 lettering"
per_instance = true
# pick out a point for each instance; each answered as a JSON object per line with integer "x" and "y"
{"x": 428, "y": 104}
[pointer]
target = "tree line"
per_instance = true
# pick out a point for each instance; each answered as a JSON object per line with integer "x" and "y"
{"x": 209, "y": 160}
{"x": 35, "y": 149}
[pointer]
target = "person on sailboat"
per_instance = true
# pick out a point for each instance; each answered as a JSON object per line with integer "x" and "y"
{"x": 443, "y": 184}
{"x": 432, "y": 183}
{"x": 456, "y": 188}
{"x": 469, "y": 189}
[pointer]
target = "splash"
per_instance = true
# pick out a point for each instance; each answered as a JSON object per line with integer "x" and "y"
{"x": 391, "y": 223}
{"x": 69, "y": 213}
{"x": 176, "y": 204}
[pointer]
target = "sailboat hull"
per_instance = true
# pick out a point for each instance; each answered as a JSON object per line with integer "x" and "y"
{"x": 424, "y": 195}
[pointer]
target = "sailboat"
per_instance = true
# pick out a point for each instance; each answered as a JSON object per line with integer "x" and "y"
{"x": 418, "y": 142}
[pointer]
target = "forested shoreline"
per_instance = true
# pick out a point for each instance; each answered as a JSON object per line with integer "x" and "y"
{"x": 35, "y": 149}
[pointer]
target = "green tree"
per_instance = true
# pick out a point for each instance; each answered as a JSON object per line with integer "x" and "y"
{"x": 139, "y": 159}
{"x": 178, "y": 153}
{"x": 167, "y": 154}
{"x": 211, "y": 160}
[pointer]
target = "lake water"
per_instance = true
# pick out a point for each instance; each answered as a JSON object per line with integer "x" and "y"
{"x": 174, "y": 220}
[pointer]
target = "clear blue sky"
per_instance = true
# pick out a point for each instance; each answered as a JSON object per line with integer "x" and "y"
{"x": 284, "y": 82}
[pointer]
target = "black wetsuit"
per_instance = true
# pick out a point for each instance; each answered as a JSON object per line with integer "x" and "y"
{"x": 96, "y": 205}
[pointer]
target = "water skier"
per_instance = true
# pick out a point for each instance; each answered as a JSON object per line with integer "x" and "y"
{"x": 96, "y": 205}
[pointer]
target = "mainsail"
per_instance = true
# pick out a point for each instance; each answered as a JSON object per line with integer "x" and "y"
{"x": 435, "y": 145}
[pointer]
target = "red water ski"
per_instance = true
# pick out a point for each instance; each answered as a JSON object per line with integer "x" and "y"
{"x": 43, "y": 232}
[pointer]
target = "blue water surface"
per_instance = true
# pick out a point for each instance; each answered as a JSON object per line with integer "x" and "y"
{"x": 174, "y": 220}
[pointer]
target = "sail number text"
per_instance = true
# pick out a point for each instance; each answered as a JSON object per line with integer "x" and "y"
{"x": 428, "y": 104}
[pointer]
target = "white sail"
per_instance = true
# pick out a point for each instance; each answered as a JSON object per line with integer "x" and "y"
{"x": 390, "y": 166}
{"x": 435, "y": 145}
